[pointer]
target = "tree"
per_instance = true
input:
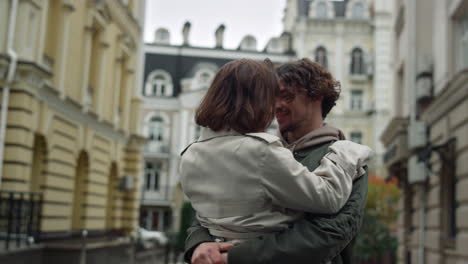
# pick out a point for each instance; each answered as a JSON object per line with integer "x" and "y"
{"x": 376, "y": 238}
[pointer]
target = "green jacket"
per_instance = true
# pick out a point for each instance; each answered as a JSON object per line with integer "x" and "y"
{"x": 314, "y": 239}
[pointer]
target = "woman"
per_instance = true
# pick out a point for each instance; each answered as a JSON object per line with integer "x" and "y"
{"x": 241, "y": 181}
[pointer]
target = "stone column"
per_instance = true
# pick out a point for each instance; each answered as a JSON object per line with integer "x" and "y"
{"x": 61, "y": 62}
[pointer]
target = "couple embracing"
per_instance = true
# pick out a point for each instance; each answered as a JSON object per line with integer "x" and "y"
{"x": 297, "y": 197}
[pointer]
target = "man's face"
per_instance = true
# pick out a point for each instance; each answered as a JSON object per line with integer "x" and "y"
{"x": 293, "y": 108}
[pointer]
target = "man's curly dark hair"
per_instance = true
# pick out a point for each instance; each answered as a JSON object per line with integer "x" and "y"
{"x": 314, "y": 79}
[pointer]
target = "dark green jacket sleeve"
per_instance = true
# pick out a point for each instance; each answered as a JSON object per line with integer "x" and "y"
{"x": 314, "y": 239}
{"x": 196, "y": 234}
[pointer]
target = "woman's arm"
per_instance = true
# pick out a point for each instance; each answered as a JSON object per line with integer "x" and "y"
{"x": 325, "y": 190}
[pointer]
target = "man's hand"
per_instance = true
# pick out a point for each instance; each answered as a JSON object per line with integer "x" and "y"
{"x": 211, "y": 253}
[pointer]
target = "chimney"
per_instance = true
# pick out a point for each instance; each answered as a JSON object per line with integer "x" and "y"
{"x": 185, "y": 33}
{"x": 219, "y": 34}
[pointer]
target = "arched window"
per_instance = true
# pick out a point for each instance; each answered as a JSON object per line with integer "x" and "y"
{"x": 81, "y": 176}
{"x": 358, "y": 11}
{"x": 357, "y": 62}
{"x": 112, "y": 195}
{"x": 321, "y": 56}
{"x": 322, "y": 10}
{"x": 202, "y": 79}
{"x": 158, "y": 83}
{"x": 156, "y": 129}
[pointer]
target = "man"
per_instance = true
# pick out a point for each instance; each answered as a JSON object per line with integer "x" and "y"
{"x": 307, "y": 94}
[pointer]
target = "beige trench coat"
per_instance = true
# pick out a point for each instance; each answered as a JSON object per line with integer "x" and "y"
{"x": 243, "y": 186}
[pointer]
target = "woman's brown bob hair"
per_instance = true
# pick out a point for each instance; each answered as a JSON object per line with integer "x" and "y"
{"x": 241, "y": 98}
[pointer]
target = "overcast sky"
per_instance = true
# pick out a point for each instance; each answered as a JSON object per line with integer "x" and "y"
{"x": 260, "y": 18}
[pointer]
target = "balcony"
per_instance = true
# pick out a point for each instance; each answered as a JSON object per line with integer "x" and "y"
{"x": 395, "y": 139}
{"x": 157, "y": 149}
{"x": 359, "y": 77}
{"x": 20, "y": 217}
{"x": 159, "y": 197}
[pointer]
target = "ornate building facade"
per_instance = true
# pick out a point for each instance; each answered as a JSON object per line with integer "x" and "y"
{"x": 70, "y": 127}
{"x": 427, "y": 138}
{"x": 352, "y": 39}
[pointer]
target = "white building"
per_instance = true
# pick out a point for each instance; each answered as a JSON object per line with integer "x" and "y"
{"x": 175, "y": 79}
{"x": 427, "y": 138}
{"x": 352, "y": 39}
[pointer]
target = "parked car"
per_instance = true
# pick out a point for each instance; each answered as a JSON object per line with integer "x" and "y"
{"x": 150, "y": 239}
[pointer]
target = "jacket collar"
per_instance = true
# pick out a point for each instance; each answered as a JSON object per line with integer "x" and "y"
{"x": 207, "y": 134}
{"x": 315, "y": 137}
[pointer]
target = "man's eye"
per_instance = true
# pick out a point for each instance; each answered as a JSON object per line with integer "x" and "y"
{"x": 288, "y": 98}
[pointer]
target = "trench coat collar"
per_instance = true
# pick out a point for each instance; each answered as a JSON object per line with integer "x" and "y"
{"x": 207, "y": 134}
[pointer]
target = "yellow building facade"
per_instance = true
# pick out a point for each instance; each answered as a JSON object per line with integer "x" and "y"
{"x": 71, "y": 131}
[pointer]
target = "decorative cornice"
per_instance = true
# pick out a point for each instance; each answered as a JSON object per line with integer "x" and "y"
{"x": 73, "y": 111}
{"x": 215, "y": 53}
{"x": 124, "y": 20}
{"x": 455, "y": 92}
{"x": 396, "y": 126}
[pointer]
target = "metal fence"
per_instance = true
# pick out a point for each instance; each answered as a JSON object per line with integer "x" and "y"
{"x": 20, "y": 217}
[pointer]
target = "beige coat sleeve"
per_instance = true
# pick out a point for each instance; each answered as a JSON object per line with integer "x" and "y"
{"x": 291, "y": 185}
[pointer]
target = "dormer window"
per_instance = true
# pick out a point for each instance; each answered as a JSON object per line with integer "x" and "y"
{"x": 202, "y": 79}
{"x": 322, "y": 10}
{"x": 358, "y": 11}
{"x": 158, "y": 83}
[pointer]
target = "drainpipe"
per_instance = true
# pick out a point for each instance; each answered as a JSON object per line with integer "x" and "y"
{"x": 10, "y": 76}
{"x": 411, "y": 14}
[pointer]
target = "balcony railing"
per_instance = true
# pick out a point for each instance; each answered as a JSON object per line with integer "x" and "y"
{"x": 157, "y": 147}
{"x": 20, "y": 217}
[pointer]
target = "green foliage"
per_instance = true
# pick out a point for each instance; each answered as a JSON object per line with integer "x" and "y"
{"x": 376, "y": 237}
{"x": 187, "y": 215}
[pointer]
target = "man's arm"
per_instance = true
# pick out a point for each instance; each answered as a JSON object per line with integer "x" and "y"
{"x": 196, "y": 234}
{"x": 317, "y": 238}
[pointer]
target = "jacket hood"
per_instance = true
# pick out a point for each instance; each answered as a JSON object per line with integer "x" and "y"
{"x": 316, "y": 137}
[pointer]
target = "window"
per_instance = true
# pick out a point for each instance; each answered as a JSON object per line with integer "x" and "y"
{"x": 448, "y": 195}
{"x": 322, "y": 10}
{"x": 358, "y": 11}
{"x": 463, "y": 42}
{"x": 156, "y": 129}
{"x": 159, "y": 83}
{"x": 94, "y": 71}
{"x": 152, "y": 176}
{"x": 202, "y": 79}
{"x": 356, "y": 137}
{"x": 357, "y": 62}
{"x": 356, "y": 100}
{"x": 321, "y": 56}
